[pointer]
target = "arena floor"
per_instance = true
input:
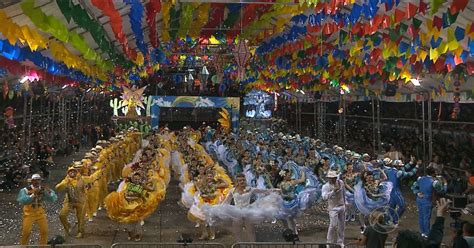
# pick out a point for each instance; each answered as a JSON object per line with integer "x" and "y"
{"x": 169, "y": 221}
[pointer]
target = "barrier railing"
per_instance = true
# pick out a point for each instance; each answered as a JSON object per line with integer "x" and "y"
{"x": 167, "y": 245}
{"x": 52, "y": 246}
{"x": 355, "y": 245}
{"x": 284, "y": 245}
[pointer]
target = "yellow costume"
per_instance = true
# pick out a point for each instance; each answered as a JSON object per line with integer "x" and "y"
{"x": 92, "y": 194}
{"x": 75, "y": 200}
{"x": 132, "y": 202}
{"x": 32, "y": 198}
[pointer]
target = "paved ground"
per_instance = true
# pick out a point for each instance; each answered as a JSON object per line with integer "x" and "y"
{"x": 169, "y": 221}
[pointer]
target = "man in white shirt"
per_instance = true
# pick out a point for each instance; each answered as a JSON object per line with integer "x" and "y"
{"x": 333, "y": 192}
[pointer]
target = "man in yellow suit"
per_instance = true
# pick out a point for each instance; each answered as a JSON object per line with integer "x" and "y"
{"x": 32, "y": 197}
{"x": 92, "y": 194}
{"x": 75, "y": 186}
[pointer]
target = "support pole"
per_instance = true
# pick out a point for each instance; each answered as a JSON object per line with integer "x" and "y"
{"x": 373, "y": 125}
{"x": 344, "y": 119}
{"x": 29, "y": 124}
{"x": 379, "y": 132}
{"x": 430, "y": 130}
{"x": 314, "y": 119}
{"x": 423, "y": 129}
{"x": 25, "y": 111}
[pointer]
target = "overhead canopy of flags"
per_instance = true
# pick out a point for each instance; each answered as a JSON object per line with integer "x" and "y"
{"x": 293, "y": 44}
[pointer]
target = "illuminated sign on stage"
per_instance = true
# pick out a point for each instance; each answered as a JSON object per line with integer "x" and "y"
{"x": 258, "y": 104}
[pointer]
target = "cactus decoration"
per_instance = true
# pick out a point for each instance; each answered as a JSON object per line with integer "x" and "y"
{"x": 116, "y": 104}
{"x": 143, "y": 127}
{"x": 148, "y": 101}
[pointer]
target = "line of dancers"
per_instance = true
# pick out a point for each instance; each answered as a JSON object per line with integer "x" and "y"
{"x": 233, "y": 181}
{"x": 301, "y": 167}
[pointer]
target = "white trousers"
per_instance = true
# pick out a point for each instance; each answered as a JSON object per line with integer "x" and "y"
{"x": 336, "y": 225}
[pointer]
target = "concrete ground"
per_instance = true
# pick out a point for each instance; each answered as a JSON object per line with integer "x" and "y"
{"x": 169, "y": 221}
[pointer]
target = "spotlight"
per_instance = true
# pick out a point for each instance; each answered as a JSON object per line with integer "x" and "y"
{"x": 415, "y": 82}
{"x": 22, "y": 80}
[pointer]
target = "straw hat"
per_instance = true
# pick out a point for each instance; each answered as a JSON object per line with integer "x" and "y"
{"x": 36, "y": 177}
{"x": 331, "y": 174}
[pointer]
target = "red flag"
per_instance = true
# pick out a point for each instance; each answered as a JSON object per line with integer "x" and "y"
{"x": 423, "y": 7}
{"x": 399, "y": 15}
{"x": 440, "y": 65}
{"x": 437, "y": 22}
{"x": 458, "y": 5}
{"x": 411, "y": 10}
{"x": 377, "y": 20}
{"x": 386, "y": 22}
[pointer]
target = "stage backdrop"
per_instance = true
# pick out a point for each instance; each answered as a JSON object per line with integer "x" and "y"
{"x": 232, "y": 104}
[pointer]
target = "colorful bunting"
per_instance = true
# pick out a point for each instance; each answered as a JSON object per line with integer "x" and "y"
{"x": 108, "y": 8}
{"x": 52, "y": 25}
{"x": 82, "y": 18}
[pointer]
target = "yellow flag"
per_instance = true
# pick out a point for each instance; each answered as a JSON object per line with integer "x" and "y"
{"x": 422, "y": 55}
{"x": 434, "y": 54}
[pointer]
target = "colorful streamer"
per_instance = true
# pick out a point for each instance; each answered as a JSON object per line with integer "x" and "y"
{"x": 34, "y": 40}
{"x": 135, "y": 15}
{"x": 152, "y": 8}
{"x": 13, "y": 52}
{"x": 165, "y": 15}
{"x": 82, "y": 18}
{"x": 108, "y": 8}
{"x": 202, "y": 16}
{"x": 53, "y": 26}
{"x": 16, "y": 68}
{"x": 186, "y": 18}
{"x": 214, "y": 20}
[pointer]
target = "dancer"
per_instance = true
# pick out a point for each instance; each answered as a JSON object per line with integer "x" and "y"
{"x": 350, "y": 179}
{"x": 371, "y": 193}
{"x": 290, "y": 198}
{"x": 333, "y": 191}
{"x": 75, "y": 200}
{"x": 32, "y": 198}
{"x": 92, "y": 194}
{"x": 241, "y": 212}
{"x": 395, "y": 172}
{"x": 424, "y": 188}
{"x": 210, "y": 191}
